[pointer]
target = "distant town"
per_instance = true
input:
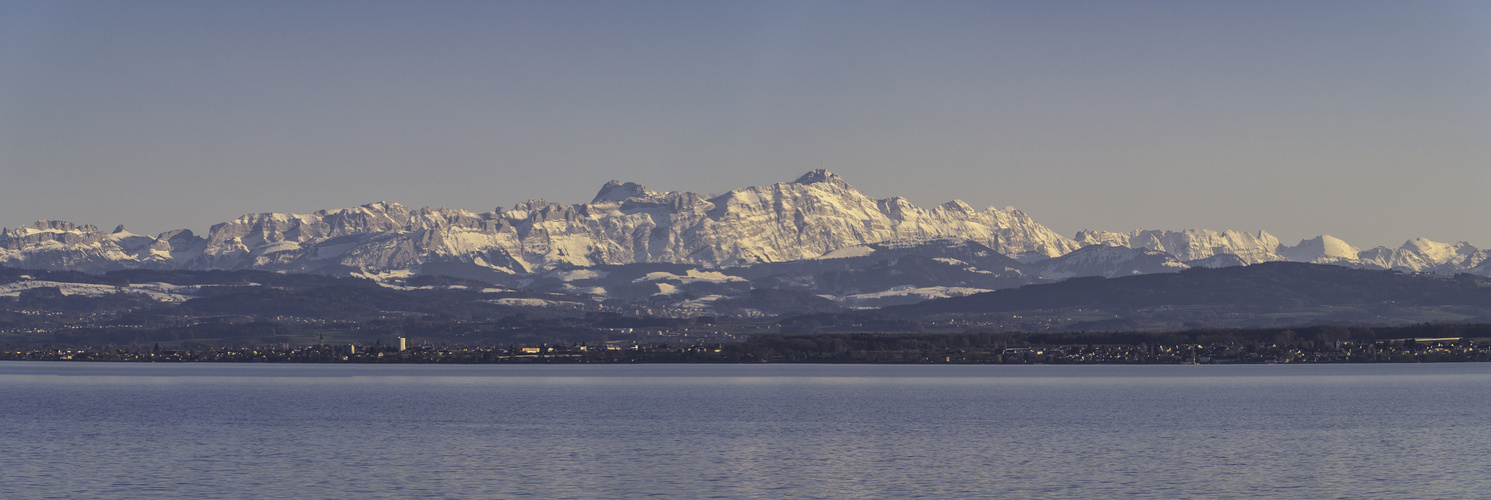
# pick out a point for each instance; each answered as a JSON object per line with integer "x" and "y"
{"x": 1256, "y": 346}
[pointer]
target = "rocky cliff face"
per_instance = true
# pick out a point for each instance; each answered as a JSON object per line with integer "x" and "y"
{"x": 61, "y": 245}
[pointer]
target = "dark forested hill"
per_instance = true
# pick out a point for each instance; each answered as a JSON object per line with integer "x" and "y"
{"x": 1260, "y": 287}
{"x": 126, "y": 306}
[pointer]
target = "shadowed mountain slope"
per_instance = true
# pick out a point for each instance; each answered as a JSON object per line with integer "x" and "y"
{"x": 1273, "y": 285}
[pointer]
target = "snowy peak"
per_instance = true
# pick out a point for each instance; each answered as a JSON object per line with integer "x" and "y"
{"x": 51, "y": 226}
{"x": 1323, "y": 249}
{"x": 53, "y": 230}
{"x": 1205, "y": 248}
{"x": 1420, "y": 254}
{"x": 1191, "y": 244}
{"x": 1109, "y": 261}
{"x": 825, "y": 177}
{"x": 622, "y": 191}
{"x": 1416, "y": 255}
{"x": 1436, "y": 252}
{"x": 62, "y": 245}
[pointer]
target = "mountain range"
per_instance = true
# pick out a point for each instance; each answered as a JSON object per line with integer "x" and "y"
{"x": 817, "y": 234}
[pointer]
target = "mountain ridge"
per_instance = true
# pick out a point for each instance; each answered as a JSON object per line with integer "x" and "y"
{"x": 625, "y": 223}
{"x": 816, "y": 216}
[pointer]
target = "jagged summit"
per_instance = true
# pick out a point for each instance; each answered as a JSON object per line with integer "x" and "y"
{"x": 62, "y": 225}
{"x": 621, "y": 191}
{"x": 383, "y": 206}
{"x": 1190, "y": 244}
{"x": 823, "y": 176}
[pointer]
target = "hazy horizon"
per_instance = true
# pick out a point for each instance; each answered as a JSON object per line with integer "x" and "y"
{"x": 1368, "y": 121}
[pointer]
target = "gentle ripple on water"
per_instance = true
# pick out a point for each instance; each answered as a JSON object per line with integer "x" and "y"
{"x": 744, "y": 431}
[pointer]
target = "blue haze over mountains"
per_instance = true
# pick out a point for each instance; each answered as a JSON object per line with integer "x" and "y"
{"x": 817, "y": 234}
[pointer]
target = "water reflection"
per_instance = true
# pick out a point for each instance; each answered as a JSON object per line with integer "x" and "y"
{"x": 746, "y": 431}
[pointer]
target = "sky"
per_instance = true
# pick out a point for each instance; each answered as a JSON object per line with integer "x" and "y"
{"x": 1369, "y": 121}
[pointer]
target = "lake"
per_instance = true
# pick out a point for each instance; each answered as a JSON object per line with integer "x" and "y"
{"x": 76, "y": 430}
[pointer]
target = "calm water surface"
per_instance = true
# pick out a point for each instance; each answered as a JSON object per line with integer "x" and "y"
{"x": 77, "y": 430}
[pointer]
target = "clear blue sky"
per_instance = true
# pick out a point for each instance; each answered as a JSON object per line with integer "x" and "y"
{"x": 1370, "y": 121}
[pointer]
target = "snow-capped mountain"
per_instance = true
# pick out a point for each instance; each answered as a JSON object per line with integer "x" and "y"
{"x": 1201, "y": 247}
{"x": 62, "y": 245}
{"x": 625, "y": 223}
{"x": 1109, "y": 261}
{"x": 815, "y": 235}
{"x": 1191, "y": 244}
{"x": 1419, "y": 254}
{"x": 1323, "y": 249}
